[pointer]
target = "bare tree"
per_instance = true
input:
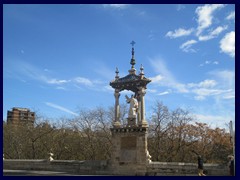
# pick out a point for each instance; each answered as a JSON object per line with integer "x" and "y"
{"x": 158, "y": 129}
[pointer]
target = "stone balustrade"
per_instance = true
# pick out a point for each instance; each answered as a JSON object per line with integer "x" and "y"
{"x": 102, "y": 167}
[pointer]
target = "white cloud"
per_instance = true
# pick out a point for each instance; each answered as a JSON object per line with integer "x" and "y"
{"x": 186, "y": 47}
{"x": 180, "y": 7}
{"x": 108, "y": 89}
{"x": 61, "y": 108}
{"x": 227, "y": 44}
{"x": 199, "y": 98}
{"x": 61, "y": 88}
{"x": 213, "y": 33}
{"x": 104, "y": 71}
{"x": 221, "y": 86}
{"x": 28, "y": 70}
{"x": 31, "y": 72}
{"x": 163, "y": 93}
{"x": 205, "y": 16}
{"x": 156, "y": 79}
{"x": 209, "y": 117}
{"x": 179, "y": 32}
{"x": 213, "y": 120}
{"x": 208, "y": 83}
{"x": 55, "y": 81}
{"x": 209, "y": 92}
{"x": 116, "y": 6}
{"x": 231, "y": 16}
{"x": 180, "y": 87}
{"x": 165, "y": 77}
{"x": 84, "y": 81}
{"x": 151, "y": 35}
{"x": 218, "y": 30}
{"x": 34, "y": 73}
{"x": 229, "y": 96}
{"x": 127, "y": 92}
{"x": 209, "y": 62}
{"x": 151, "y": 90}
{"x": 225, "y": 77}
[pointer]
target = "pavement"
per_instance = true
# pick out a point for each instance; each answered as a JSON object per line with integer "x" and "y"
{"x": 10, "y": 172}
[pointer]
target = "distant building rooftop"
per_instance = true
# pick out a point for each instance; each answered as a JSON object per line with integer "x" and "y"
{"x": 20, "y": 109}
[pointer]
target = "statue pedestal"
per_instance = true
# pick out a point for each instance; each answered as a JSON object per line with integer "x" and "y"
{"x": 116, "y": 124}
{"x": 131, "y": 122}
{"x": 144, "y": 124}
{"x": 129, "y": 153}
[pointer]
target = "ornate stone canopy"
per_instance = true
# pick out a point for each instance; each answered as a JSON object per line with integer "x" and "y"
{"x": 138, "y": 85}
{"x": 130, "y": 82}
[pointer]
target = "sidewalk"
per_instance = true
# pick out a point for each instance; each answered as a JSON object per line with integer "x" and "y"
{"x": 9, "y": 172}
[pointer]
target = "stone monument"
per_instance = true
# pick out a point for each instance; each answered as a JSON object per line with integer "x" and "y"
{"x": 130, "y": 154}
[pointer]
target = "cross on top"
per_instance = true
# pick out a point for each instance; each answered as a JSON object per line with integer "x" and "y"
{"x": 132, "y": 43}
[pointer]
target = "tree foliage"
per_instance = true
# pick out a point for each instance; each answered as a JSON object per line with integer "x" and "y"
{"x": 173, "y": 136}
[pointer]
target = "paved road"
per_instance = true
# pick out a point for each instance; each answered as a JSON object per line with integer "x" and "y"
{"x": 7, "y": 172}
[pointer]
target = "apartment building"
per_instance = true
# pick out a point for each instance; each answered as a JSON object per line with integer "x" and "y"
{"x": 20, "y": 116}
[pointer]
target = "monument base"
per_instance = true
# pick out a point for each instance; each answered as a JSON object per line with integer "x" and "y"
{"x": 129, "y": 155}
{"x": 131, "y": 122}
{"x": 143, "y": 124}
{"x": 116, "y": 124}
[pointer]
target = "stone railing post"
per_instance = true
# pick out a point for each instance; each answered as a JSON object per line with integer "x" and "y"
{"x": 50, "y": 156}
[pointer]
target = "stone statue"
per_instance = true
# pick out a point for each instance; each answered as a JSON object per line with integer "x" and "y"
{"x": 50, "y": 156}
{"x": 132, "y": 113}
{"x": 148, "y": 157}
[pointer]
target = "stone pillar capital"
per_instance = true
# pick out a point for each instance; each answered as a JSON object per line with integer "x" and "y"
{"x": 142, "y": 91}
{"x": 117, "y": 93}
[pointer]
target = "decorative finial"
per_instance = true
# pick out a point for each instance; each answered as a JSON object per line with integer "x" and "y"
{"x": 132, "y": 43}
{"x": 132, "y": 60}
{"x": 116, "y": 77}
{"x": 141, "y": 70}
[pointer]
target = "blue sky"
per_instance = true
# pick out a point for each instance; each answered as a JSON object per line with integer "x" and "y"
{"x": 59, "y": 58}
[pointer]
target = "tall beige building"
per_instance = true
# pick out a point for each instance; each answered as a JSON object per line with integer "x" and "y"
{"x": 20, "y": 116}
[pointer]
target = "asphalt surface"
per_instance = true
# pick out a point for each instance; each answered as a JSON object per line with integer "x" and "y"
{"x": 7, "y": 172}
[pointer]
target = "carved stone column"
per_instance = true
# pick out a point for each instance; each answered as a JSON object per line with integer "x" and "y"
{"x": 142, "y": 92}
{"x": 139, "y": 119}
{"x": 117, "y": 109}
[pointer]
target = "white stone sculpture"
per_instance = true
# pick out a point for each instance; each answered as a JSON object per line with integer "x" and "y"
{"x": 50, "y": 156}
{"x": 132, "y": 113}
{"x": 148, "y": 157}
